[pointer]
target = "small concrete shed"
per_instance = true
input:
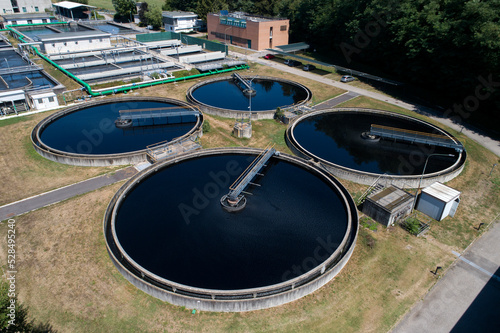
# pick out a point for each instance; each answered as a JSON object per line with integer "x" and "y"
{"x": 388, "y": 205}
{"x": 438, "y": 201}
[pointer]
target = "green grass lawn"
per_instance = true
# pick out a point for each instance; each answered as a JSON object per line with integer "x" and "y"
{"x": 66, "y": 277}
{"x": 107, "y": 4}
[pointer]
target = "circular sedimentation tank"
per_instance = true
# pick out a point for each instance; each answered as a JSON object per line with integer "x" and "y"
{"x": 340, "y": 140}
{"x": 169, "y": 235}
{"x": 90, "y": 135}
{"x": 228, "y": 97}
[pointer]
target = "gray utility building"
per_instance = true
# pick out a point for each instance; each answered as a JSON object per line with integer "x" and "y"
{"x": 388, "y": 205}
{"x": 73, "y": 10}
{"x": 438, "y": 201}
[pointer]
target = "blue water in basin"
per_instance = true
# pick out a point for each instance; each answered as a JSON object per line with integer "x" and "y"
{"x": 270, "y": 95}
{"x": 336, "y": 137}
{"x": 172, "y": 224}
{"x": 92, "y": 130}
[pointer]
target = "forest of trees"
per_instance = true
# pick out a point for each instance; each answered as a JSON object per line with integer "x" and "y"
{"x": 450, "y": 48}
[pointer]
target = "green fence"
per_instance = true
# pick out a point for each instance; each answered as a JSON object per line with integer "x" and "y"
{"x": 185, "y": 39}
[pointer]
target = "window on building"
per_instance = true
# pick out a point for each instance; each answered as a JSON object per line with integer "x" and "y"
{"x": 30, "y": 21}
{"x": 53, "y": 45}
{"x": 4, "y": 11}
{"x": 51, "y": 99}
{"x": 36, "y": 9}
{"x": 65, "y": 44}
{"x": 76, "y": 42}
{"x": 24, "y": 10}
{"x": 44, "y": 20}
{"x": 283, "y": 28}
{"x": 90, "y": 40}
{"x": 271, "y": 31}
{"x": 40, "y": 101}
{"x": 14, "y": 22}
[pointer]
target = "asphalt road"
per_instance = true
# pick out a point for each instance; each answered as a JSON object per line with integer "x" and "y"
{"x": 63, "y": 193}
{"x": 466, "y": 298}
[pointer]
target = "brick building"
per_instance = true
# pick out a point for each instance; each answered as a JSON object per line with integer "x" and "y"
{"x": 254, "y": 32}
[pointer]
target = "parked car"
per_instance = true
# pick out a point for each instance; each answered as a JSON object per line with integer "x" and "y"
{"x": 309, "y": 67}
{"x": 292, "y": 63}
{"x": 269, "y": 56}
{"x": 347, "y": 78}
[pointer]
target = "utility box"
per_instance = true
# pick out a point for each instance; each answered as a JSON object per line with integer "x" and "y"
{"x": 438, "y": 201}
{"x": 388, "y": 205}
{"x": 242, "y": 130}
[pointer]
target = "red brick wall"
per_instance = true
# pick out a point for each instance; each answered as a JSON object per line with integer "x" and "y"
{"x": 257, "y": 32}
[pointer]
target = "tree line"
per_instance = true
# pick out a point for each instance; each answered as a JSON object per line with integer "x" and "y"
{"x": 451, "y": 48}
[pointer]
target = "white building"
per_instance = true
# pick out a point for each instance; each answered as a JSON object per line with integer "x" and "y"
{"x": 73, "y": 10}
{"x": 42, "y": 100}
{"x": 24, "y": 6}
{"x": 180, "y": 21}
{"x": 31, "y": 18}
{"x": 438, "y": 201}
{"x": 75, "y": 41}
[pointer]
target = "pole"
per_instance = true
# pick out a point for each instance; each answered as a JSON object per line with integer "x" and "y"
{"x": 422, "y": 176}
{"x": 493, "y": 167}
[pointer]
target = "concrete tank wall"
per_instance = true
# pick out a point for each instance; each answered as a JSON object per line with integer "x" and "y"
{"x": 367, "y": 178}
{"x": 227, "y": 113}
{"x": 240, "y": 300}
{"x": 133, "y": 157}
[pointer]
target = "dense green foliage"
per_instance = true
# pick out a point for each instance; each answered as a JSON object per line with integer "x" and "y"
{"x": 450, "y": 48}
{"x": 153, "y": 16}
{"x": 16, "y": 319}
{"x": 143, "y": 8}
{"x": 125, "y": 9}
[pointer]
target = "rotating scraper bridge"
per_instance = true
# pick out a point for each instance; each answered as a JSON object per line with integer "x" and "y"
{"x": 124, "y": 88}
{"x": 234, "y": 200}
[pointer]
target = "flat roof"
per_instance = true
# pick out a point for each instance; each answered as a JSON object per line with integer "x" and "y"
{"x": 73, "y": 35}
{"x": 70, "y": 5}
{"x": 11, "y": 17}
{"x": 390, "y": 198}
{"x": 251, "y": 17}
{"x": 441, "y": 192}
{"x": 176, "y": 14}
{"x": 293, "y": 47}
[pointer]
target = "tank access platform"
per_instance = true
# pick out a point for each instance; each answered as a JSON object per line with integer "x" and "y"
{"x": 234, "y": 200}
{"x": 244, "y": 85}
{"x": 415, "y": 137}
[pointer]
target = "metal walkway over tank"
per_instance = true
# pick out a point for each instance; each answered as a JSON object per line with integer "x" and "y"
{"x": 164, "y": 112}
{"x": 244, "y": 85}
{"x": 415, "y": 137}
{"x": 246, "y": 177}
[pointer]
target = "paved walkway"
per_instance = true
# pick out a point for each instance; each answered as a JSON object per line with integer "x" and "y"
{"x": 336, "y": 101}
{"x": 63, "y": 193}
{"x": 466, "y": 298}
{"x": 487, "y": 142}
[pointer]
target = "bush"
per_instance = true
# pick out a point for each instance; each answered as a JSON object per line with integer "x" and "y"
{"x": 412, "y": 225}
{"x": 184, "y": 73}
{"x": 368, "y": 223}
{"x": 206, "y": 126}
{"x": 279, "y": 113}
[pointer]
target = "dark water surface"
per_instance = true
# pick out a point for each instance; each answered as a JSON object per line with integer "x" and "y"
{"x": 92, "y": 130}
{"x": 173, "y": 225}
{"x": 336, "y": 137}
{"x": 270, "y": 95}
